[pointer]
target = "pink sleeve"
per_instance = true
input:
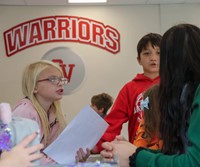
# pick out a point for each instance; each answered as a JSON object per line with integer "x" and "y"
{"x": 25, "y": 109}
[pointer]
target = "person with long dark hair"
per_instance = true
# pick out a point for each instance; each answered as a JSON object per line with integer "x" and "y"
{"x": 179, "y": 104}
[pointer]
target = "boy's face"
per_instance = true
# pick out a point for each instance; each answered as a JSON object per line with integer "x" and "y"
{"x": 149, "y": 59}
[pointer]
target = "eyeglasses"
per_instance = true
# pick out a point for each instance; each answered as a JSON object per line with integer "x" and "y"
{"x": 55, "y": 80}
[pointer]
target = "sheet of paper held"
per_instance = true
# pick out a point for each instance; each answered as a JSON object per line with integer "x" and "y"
{"x": 84, "y": 131}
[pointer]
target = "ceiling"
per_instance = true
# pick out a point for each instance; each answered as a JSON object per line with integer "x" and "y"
{"x": 110, "y": 2}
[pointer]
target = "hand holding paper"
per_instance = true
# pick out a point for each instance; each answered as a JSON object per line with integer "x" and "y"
{"x": 84, "y": 131}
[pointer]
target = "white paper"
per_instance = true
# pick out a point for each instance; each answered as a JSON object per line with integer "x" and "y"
{"x": 84, "y": 131}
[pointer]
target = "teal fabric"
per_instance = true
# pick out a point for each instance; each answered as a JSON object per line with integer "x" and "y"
{"x": 22, "y": 127}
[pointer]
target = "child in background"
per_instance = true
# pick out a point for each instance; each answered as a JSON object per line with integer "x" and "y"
{"x": 127, "y": 104}
{"x": 147, "y": 134}
{"x": 101, "y": 103}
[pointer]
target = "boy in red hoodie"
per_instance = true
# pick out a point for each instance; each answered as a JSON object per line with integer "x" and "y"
{"x": 127, "y": 104}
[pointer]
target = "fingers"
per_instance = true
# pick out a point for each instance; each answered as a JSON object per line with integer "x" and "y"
{"x": 88, "y": 153}
{"x": 107, "y": 152}
{"x": 35, "y": 148}
{"x": 120, "y": 138}
{"x": 28, "y": 139}
{"x": 77, "y": 158}
{"x": 107, "y": 155}
{"x": 34, "y": 157}
{"x": 107, "y": 146}
{"x": 81, "y": 156}
{"x": 30, "y": 164}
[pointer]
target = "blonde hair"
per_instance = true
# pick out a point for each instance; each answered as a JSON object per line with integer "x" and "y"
{"x": 29, "y": 81}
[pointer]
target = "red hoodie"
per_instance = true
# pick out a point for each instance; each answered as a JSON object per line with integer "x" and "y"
{"x": 127, "y": 108}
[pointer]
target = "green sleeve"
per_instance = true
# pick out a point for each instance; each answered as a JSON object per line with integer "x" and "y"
{"x": 146, "y": 158}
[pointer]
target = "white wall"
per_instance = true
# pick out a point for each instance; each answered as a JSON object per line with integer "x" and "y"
{"x": 106, "y": 72}
{"x": 176, "y": 14}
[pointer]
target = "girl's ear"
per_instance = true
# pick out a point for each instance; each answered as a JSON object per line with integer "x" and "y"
{"x": 35, "y": 90}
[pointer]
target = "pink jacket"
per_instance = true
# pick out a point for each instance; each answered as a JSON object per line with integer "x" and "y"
{"x": 24, "y": 108}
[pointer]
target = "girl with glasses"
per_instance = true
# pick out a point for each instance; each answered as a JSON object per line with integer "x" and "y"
{"x": 43, "y": 88}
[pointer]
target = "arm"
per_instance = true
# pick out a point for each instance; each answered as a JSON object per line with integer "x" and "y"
{"x": 116, "y": 118}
